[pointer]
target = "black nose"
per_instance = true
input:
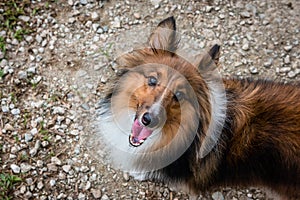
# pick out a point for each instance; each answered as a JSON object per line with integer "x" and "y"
{"x": 146, "y": 119}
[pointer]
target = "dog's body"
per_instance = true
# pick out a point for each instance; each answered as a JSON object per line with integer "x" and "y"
{"x": 255, "y": 124}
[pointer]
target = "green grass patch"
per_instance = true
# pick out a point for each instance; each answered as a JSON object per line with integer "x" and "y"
{"x": 2, "y": 44}
{"x": 19, "y": 34}
{"x": 1, "y": 73}
{"x": 7, "y": 183}
{"x": 13, "y": 9}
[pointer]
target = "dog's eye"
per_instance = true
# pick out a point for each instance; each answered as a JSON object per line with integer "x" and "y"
{"x": 178, "y": 96}
{"x": 152, "y": 81}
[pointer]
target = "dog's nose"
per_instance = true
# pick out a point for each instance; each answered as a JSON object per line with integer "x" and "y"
{"x": 146, "y": 119}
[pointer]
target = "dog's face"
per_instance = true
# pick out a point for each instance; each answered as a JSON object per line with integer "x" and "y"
{"x": 161, "y": 99}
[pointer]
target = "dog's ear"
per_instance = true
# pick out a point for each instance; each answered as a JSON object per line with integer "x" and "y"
{"x": 164, "y": 36}
{"x": 208, "y": 61}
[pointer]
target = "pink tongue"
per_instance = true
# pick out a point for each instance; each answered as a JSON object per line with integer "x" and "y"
{"x": 140, "y": 132}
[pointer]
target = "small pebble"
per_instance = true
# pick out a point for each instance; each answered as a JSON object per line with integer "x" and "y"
{"x": 31, "y": 70}
{"x": 24, "y": 18}
{"x": 52, "y": 182}
{"x": 137, "y": 15}
{"x": 104, "y": 197}
{"x": 83, "y": 2}
{"x": 81, "y": 196}
{"x": 5, "y": 109}
{"x": 245, "y": 46}
{"x": 38, "y": 39}
{"x": 15, "y": 111}
{"x": 9, "y": 127}
{"x": 35, "y": 149}
{"x": 208, "y": 8}
{"x": 22, "y": 75}
{"x": 287, "y": 60}
{"x": 66, "y": 168}
{"x": 253, "y": 70}
{"x": 58, "y": 110}
{"x": 70, "y": 2}
{"x": 291, "y": 74}
{"x": 15, "y": 168}
{"x": 288, "y": 48}
{"x": 74, "y": 132}
{"x": 96, "y": 193}
{"x": 222, "y": 16}
{"x": 25, "y": 167}
{"x": 28, "y": 195}
{"x": 39, "y": 163}
{"x": 268, "y": 63}
{"x": 126, "y": 176}
{"x": 284, "y": 69}
{"x": 28, "y": 137}
{"x": 95, "y": 16}
{"x": 56, "y": 160}
{"x": 23, "y": 189}
{"x": 88, "y": 185}
{"x": 217, "y": 196}
{"x": 34, "y": 131}
{"x": 245, "y": 14}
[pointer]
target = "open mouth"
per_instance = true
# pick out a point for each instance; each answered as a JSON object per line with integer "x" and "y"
{"x": 139, "y": 134}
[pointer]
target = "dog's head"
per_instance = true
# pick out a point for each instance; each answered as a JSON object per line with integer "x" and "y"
{"x": 165, "y": 89}
{"x": 162, "y": 98}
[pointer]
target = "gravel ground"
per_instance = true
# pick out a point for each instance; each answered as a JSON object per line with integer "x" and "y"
{"x": 52, "y": 78}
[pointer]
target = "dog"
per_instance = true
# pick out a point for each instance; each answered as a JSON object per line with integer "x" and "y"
{"x": 174, "y": 120}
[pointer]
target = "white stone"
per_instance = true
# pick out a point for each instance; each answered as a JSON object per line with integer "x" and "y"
{"x": 4, "y": 109}
{"x": 245, "y": 46}
{"x": 8, "y": 127}
{"x": 34, "y": 131}
{"x": 287, "y": 60}
{"x": 96, "y": 193}
{"x": 285, "y": 69}
{"x": 40, "y": 185}
{"x": 24, "y": 18}
{"x": 74, "y": 132}
{"x": 288, "y": 48}
{"x": 28, "y": 137}
{"x": 245, "y": 14}
{"x": 58, "y": 110}
{"x": 94, "y": 16}
{"x": 56, "y": 160}
{"x": 83, "y": 2}
{"x": 137, "y": 15}
{"x": 217, "y": 196}
{"x": 291, "y": 74}
{"x": 88, "y": 185}
{"x": 66, "y": 168}
{"x": 81, "y": 196}
{"x": 15, "y": 111}
{"x": 25, "y": 167}
{"x": 39, "y": 163}
{"x": 31, "y": 70}
{"x": 52, "y": 182}
{"x": 15, "y": 168}
{"x": 70, "y": 2}
{"x": 22, "y": 75}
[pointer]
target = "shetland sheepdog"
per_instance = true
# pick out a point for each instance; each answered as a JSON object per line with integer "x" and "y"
{"x": 174, "y": 120}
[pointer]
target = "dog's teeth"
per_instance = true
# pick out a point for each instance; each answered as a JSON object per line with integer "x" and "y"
{"x": 141, "y": 141}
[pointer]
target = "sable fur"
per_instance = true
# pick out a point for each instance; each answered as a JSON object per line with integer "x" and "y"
{"x": 259, "y": 143}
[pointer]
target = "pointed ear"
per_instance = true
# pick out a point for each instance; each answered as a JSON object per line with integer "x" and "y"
{"x": 208, "y": 61}
{"x": 164, "y": 36}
